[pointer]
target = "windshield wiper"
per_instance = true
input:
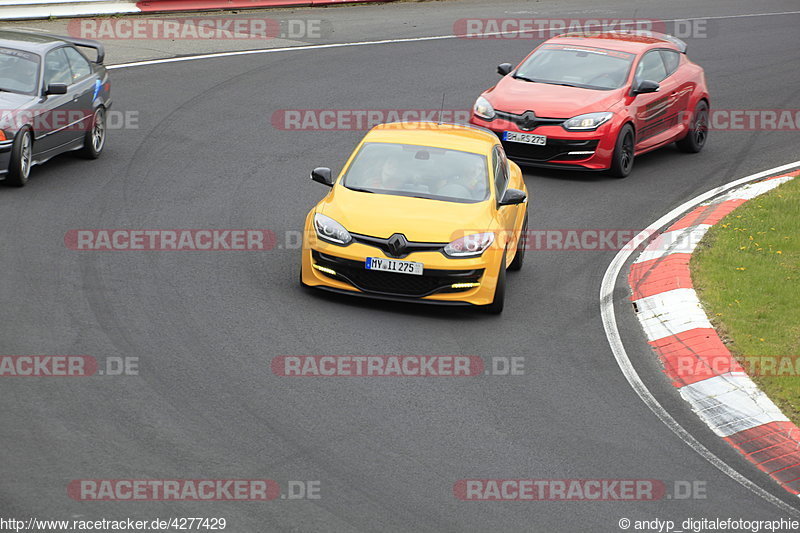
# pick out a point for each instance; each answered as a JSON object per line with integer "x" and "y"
{"x": 523, "y": 78}
{"x": 562, "y": 84}
{"x": 359, "y": 189}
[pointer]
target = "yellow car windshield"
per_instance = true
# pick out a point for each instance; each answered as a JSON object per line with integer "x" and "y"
{"x": 420, "y": 172}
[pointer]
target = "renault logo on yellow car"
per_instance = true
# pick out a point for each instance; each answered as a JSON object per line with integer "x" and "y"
{"x": 397, "y": 244}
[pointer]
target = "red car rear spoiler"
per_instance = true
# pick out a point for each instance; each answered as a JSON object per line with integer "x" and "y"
{"x": 674, "y": 40}
{"x": 681, "y": 45}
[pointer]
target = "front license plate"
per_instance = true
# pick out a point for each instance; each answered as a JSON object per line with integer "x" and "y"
{"x": 393, "y": 265}
{"x": 525, "y": 138}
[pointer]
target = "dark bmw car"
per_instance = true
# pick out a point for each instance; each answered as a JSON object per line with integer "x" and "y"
{"x": 53, "y": 99}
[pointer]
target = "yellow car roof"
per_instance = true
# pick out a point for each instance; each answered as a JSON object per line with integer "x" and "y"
{"x": 436, "y": 135}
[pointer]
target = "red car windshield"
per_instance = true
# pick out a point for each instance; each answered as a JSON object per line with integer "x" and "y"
{"x": 577, "y": 66}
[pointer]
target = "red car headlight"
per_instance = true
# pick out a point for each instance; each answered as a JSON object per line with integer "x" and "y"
{"x": 483, "y": 109}
{"x": 587, "y": 122}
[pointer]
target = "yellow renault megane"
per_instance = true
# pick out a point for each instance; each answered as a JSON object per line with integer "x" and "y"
{"x": 422, "y": 212}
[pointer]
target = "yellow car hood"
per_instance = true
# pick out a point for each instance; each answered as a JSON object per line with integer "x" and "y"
{"x": 419, "y": 219}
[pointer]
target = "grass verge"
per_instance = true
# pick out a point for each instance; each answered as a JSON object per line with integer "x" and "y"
{"x": 746, "y": 271}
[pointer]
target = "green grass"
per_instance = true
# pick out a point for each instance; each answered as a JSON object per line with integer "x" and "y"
{"x": 746, "y": 271}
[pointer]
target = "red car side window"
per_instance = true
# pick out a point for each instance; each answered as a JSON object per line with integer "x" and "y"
{"x": 671, "y": 60}
{"x": 651, "y": 67}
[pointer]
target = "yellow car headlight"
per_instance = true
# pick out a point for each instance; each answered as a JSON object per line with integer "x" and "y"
{"x": 469, "y": 245}
{"x": 331, "y": 231}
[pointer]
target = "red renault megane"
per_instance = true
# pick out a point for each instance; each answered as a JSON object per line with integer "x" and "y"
{"x": 594, "y": 101}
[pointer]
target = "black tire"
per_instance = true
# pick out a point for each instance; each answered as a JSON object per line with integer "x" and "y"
{"x": 94, "y": 140}
{"x": 697, "y": 135}
{"x": 496, "y": 307}
{"x": 519, "y": 259}
{"x": 622, "y": 162}
{"x": 19, "y": 165}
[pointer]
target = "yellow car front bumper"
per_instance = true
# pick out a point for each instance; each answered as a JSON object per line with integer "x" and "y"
{"x": 342, "y": 269}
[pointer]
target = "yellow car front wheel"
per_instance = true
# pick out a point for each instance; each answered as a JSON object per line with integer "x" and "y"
{"x": 496, "y": 307}
{"x": 516, "y": 264}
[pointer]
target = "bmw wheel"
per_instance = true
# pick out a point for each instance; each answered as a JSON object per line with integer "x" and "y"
{"x": 19, "y": 168}
{"x": 95, "y": 137}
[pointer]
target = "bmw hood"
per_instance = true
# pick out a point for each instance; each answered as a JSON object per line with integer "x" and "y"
{"x": 13, "y": 108}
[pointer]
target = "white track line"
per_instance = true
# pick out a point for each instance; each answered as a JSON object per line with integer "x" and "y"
{"x": 275, "y": 50}
{"x": 624, "y": 362}
{"x": 389, "y": 41}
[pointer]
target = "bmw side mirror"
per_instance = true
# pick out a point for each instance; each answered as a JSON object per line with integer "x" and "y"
{"x": 644, "y": 87}
{"x": 504, "y": 68}
{"x": 513, "y": 197}
{"x": 56, "y": 88}
{"x": 322, "y": 175}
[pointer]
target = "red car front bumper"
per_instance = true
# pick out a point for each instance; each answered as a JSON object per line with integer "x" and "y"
{"x": 590, "y": 150}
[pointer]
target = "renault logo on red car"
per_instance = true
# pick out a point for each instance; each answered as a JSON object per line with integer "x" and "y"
{"x": 528, "y": 121}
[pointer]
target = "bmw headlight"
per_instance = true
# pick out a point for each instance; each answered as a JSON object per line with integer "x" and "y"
{"x": 470, "y": 245}
{"x": 587, "y": 122}
{"x": 331, "y": 231}
{"x": 483, "y": 109}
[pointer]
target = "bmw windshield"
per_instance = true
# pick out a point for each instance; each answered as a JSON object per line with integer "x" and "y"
{"x": 420, "y": 172}
{"x": 19, "y": 71}
{"x": 577, "y": 66}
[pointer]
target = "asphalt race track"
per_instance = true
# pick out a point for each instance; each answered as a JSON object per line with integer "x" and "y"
{"x": 205, "y": 325}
